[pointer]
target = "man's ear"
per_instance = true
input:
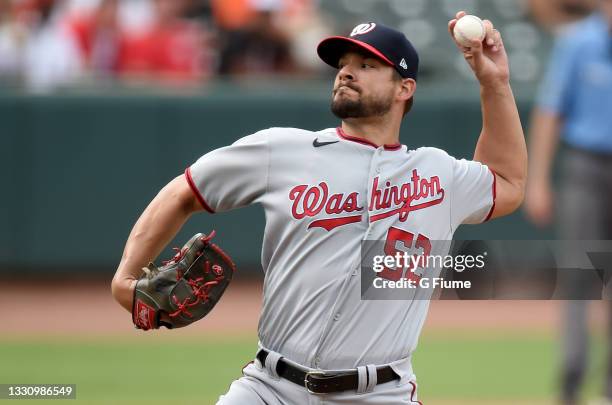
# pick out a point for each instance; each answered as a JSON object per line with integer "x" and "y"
{"x": 408, "y": 89}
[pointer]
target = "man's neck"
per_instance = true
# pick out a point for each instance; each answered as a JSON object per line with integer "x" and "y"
{"x": 379, "y": 131}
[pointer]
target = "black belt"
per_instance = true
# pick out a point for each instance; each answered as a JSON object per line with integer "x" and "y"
{"x": 319, "y": 382}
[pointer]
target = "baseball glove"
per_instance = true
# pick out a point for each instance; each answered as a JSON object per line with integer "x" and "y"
{"x": 185, "y": 288}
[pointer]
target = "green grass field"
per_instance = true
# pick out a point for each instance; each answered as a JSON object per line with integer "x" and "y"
{"x": 450, "y": 369}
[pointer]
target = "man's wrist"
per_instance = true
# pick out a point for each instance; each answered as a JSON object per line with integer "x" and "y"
{"x": 123, "y": 291}
{"x": 498, "y": 87}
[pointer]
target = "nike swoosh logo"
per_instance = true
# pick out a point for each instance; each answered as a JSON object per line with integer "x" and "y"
{"x": 318, "y": 144}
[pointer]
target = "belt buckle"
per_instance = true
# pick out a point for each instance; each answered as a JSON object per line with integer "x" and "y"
{"x": 307, "y": 381}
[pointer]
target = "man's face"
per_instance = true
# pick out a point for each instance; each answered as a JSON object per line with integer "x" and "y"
{"x": 364, "y": 87}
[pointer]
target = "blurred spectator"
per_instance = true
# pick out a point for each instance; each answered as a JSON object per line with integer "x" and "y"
{"x": 12, "y": 39}
{"x": 48, "y": 56}
{"x": 252, "y": 41}
{"x": 575, "y": 105}
{"x": 49, "y": 43}
{"x": 305, "y": 26}
{"x": 232, "y": 15}
{"x": 553, "y": 14}
{"x": 199, "y": 9}
{"x": 173, "y": 48}
{"x": 99, "y": 37}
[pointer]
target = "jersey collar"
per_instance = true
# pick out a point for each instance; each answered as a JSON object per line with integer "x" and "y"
{"x": 363, "y": 141}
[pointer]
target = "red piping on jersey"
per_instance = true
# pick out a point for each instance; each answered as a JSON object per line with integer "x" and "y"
{"x": 196, "y": 191}
{"x": 363, "y": 141}
{"x": 331, "y": 223}
{"x": 494, "y": 195}
{"x": 414, "y": 388}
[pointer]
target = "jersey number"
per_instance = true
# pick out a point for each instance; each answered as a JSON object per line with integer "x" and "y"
{"x": 395, "y": 235}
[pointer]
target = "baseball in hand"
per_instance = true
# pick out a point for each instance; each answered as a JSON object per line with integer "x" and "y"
{"x": 469, "y": 28}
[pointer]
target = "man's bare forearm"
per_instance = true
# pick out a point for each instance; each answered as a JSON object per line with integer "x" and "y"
{"x": 158, "y": 224}
{"x": 543, "y": 142}
{"x": 501, "y": 145}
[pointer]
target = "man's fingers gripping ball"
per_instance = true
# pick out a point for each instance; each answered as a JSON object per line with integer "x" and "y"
{"x": 493, "y": 37}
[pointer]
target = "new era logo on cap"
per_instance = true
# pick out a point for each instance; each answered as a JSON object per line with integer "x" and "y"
{"x": 387, "y": 44}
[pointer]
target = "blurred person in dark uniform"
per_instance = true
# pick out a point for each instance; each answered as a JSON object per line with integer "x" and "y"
{"x": 575, "y": 108}
{"x": 252, "y": 41}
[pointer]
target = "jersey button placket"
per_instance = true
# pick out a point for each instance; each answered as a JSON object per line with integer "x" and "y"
{"x": 336, "y": 309}
{"x": 379, "y": 153}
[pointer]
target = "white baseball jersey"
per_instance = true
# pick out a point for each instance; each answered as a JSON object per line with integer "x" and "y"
{"x": 323, "y": 194}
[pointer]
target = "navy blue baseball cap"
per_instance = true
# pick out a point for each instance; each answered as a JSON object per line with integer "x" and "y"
{"x": 389, "y": 45}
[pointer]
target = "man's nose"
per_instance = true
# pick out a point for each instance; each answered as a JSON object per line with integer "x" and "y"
{"x": 346, "y": 73}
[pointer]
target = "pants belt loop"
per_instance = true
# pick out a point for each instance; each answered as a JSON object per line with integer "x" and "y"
{"x": 271, "y": 362}
{"x": 362, "y": 379}
{"x": 372, "y": 377}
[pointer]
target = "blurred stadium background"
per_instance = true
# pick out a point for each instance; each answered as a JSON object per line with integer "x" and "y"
{"x": 102, "y": 102}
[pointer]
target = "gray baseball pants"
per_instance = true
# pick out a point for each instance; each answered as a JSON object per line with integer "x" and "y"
{"x": 585, "y": 213}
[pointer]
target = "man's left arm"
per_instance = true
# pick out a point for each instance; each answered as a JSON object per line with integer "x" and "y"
{"x": 501, "y": 145}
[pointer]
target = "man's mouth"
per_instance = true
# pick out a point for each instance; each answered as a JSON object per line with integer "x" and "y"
{"x": 345, "y": 88}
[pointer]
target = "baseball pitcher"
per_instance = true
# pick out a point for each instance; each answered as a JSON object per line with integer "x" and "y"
{"x": 323, "y": 194}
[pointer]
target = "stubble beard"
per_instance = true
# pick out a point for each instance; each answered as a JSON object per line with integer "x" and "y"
{"x": 344, "y": 108}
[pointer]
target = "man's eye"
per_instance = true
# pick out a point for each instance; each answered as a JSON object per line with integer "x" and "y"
{"x": 366, "y": 66}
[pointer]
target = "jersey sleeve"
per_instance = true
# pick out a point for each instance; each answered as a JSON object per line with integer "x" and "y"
{"x": 233, "y": 176}
{"x": 473, "y": 196}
